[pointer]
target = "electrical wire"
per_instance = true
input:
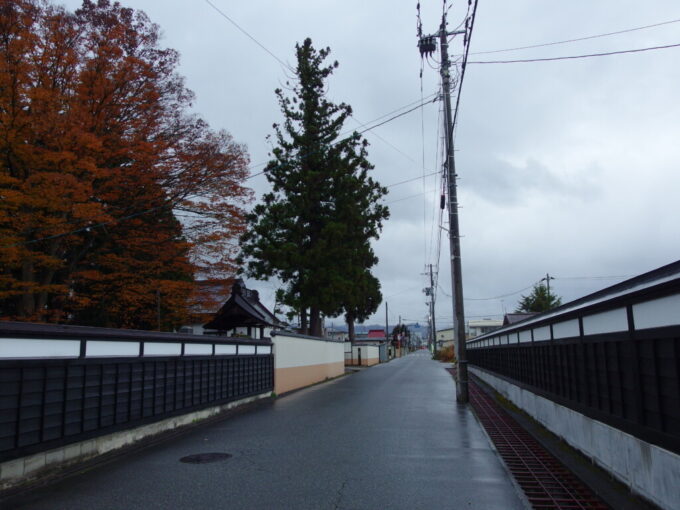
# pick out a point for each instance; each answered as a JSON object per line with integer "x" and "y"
{"x": 468, "y": 36}
{"x": 503, "y": 295}
{"x": 574, "y": 57}
{"x": 170, "y": 205}
{"x": 224, "y": 15}
{"x": 434, "y": 95}
{"x": 577, "y": 39}
{"x": 411, "y": 180}
{"x": 410, "y": 197}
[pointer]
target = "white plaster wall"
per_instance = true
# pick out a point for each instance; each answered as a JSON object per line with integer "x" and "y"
{"x": 39, "y": 348}
{"x": 525, "y": 336}
{"x": 244, "y": 349}
{"x": 111, "y": 348}
{"x": 292, "y": 351}
{"x": 162, "y": 349}
{"x": 611, "y": 321}
{"x": 647, "y": 469}
{"x": 566, "y": 329}
{"x": 542, "y": 333}
{"x": 657, "y": 313}
{"x": 198, "y": 349}
{"x": 225, "y": 349}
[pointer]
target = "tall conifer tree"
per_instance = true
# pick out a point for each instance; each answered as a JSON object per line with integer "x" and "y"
{"x": 313, "y": 229}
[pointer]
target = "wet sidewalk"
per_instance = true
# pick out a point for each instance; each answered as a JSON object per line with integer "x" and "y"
{"x": 390, "y": 437}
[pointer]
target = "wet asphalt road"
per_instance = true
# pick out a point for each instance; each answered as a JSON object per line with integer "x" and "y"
{"x": 387, "y": 437}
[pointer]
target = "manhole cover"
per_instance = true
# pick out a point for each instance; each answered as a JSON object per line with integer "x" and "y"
{"x": 204, "y": 458}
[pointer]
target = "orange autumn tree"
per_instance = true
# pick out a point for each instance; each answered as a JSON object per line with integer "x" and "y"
{"x": 113, "y": 198}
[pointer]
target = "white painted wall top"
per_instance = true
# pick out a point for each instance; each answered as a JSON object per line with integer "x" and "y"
{"x": 198, "y": 349}
{"x": 612, "y": 321}
{"x": 542, "y": 333}
{"x": 246, "y": 349}
{"x": 293, "y": 351}
{"x": 225, "y": 349}
{"x": 657, "y": 313}
{"x": 38, "y": 348}
{"x": 566, "y": 329}
{"x": 111, "y": 348}
{"x": 162, "y": 349}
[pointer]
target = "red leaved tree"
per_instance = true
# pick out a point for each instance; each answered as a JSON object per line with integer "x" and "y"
{"x": 113, "y": 198}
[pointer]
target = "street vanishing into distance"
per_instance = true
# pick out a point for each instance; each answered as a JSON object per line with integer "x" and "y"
{"x": 391, "y": 436}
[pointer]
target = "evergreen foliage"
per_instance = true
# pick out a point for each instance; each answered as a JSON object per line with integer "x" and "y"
{"x": 312, "y": 231}
{"x": 539, "y": 300}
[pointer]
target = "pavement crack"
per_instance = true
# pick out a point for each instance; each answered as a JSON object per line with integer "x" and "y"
{"x": 338, "y": 499}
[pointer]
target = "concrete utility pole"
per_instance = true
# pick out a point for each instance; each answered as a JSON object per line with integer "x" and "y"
{"x": 427, "y": 45}
{"x": 547, "y": 281}
{"x": 434, "y": 327}
{"x": 454, "y": 230}
{"x": 387, "y": 324}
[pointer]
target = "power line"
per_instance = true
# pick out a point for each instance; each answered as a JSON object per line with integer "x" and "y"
{"x": 410, "y": 196}
{"x": 574, "y": 57}
{"x": 434, "y": 97}
{"x": 133, "y": 215}
{"x": 248, "y": 35}
{"x": 413, "y": 179}
{"x": 468, "y": 36}
{"x": 577, "y": 39}
{"x": 503, "y": 295}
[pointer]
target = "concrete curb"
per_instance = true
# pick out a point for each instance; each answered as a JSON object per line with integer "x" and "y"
{"x": 17, "y": 475}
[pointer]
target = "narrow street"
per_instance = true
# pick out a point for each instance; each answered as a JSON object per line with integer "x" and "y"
{"x": 388, "y": 437}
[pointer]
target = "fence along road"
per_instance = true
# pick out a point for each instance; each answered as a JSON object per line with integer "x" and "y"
{"x": 390, "y": 436}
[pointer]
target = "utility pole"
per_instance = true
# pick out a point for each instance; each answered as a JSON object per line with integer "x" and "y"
{"x": 547, "y": 281}
{"x": 434, "y": 328}
{"x": 427, "y": 45}
{"x": 158, "y": 308}
{"x": 387, "y": 325}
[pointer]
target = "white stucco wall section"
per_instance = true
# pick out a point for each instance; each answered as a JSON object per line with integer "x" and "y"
{"x": 611, "y": 321}
{"x": 292, "y": 351}
{"x": 566, "y": 329}
{"x": 39, "y": 348}
{"x": 657, "y": 313}
{"x": 647, "y": 469}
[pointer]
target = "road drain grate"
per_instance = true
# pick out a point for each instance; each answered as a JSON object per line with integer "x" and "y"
{"x": 204, "y": 458}
{"x": 546, "y": 482}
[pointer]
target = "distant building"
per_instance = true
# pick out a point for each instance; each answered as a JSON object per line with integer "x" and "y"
{"x": 482, "y": 326}
{"x": 512, "y": 318}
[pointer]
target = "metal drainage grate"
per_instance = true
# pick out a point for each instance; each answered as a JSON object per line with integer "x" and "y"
{"x": 547, "y": 483}
{"x": 204, "y": 458}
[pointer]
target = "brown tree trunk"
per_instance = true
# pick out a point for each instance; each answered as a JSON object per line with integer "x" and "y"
{"x": 27, "y": 301}
{"x": 350, "y": 329}
{"x": 303, "y": 322}
{"x": 314, "y": 321}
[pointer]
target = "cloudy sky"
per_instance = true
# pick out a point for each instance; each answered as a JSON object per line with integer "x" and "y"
{"x": 567, "y": 167}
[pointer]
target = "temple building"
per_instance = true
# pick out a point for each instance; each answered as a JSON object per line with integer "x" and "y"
{"x": 243, "y": 315}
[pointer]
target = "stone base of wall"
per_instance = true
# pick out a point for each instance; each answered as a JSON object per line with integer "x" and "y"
{"x": 370, "y": 362}
{"x": 293, "y": 378}
{"x": 25, "y": 469}
{"x": 648, "y": 470}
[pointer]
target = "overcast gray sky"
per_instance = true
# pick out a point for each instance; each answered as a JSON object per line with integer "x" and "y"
{"x": 567, "y": 167}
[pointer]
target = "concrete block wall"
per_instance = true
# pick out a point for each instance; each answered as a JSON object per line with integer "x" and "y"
{"x": 648, "y": 470}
